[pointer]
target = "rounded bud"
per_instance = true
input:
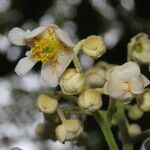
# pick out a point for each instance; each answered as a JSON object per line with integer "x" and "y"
{"x": 94, "y": 46}
{"x": 96, "y": 76}
{"x": 135, "y": 113}
{"x": 16, "y": 148}
{"x": 144, "y": 101}
{"x": 90, "y": 100}
{"x": 114, "y": 120}
{"x": 68, "y": 130}
{"x": 46, "y": 104}
{"x": 72, "y": 82}
{"x": 134, "y": 130}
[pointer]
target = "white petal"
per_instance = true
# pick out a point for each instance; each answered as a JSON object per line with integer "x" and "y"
{"x": 64, "y": 37}
{"x": 109, "y": 72}
{"x": 137, "y": 85}
{"x": 24, "y": 66}
{"x": 35, "y": 32}
{"x": 114, "y": 88}
{"x": 64, "y": 59}
{"x": 146, "y": 81}
{"x": 127, "y": 71}
{"x": 16, "y": 36}
{"x": 127, "y": 97}
{"x": 50, "y": 74}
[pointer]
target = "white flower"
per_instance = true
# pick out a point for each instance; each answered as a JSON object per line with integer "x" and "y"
{"x": 125, "y": 81}
{"x": 50, "y": 45}
{"x": 139, "y": 48}
{"x": 69, "y": 130}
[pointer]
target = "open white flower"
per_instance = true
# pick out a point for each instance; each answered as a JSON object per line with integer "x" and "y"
{"x": 50, "y": 45}
{"x": 125, "y": 81}
{"x": 139, "y": 48}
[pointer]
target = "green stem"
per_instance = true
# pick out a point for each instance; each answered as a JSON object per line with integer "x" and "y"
{"x": 77, "y": 64}
{"x": 60, "y": 94}
{"x": 122, "y": 122}
{"x": 100, "y": 90}
{"x": 111, "y": 109}
{"x": 76, "y": 61}
{"x": 76, "y": 110}
{"x": 101, "y": 119}
{"x": 61, "y": 114}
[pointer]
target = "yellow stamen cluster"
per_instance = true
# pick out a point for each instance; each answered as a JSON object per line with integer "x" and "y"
{"x": 46, "y": 48}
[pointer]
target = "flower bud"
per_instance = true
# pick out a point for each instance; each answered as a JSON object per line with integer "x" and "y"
{"x": 16, "y": 148}
{"x": 139, "y": 48}
{"x": 134, "y": 129}
{"x": 114, "y": 120}
{"x": 144, "y": 101}
{"x": 96, "y": 76}
{"x": 72, "y": 82}
{"x": 46, "y": 104}
{"x": 135, "y": 113}
{"x": 94, "y": 46}
{"x": 68, "y": 130}
{"x": 90, "y": 100}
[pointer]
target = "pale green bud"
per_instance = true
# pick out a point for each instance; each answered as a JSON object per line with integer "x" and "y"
{"x": 144, "y": 101}
{"x": 139, "y": 48}
{"x": 94, "y": 46}
{"x": 134, "y": 130}
{"x": 135, "y": 113}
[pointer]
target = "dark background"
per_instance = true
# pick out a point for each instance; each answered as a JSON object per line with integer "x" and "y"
{"x": 116, "y": 20}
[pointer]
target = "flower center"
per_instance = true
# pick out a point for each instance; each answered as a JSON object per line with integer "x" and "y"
{"x": 46, "y": 47}
{"x": 127, "y": 87}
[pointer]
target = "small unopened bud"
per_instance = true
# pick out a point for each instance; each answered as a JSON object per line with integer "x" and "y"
{"x": 114, "y": 120}
{"x": 46, "y": 104}
{"x": 134, "y": 130}
{"x": 16, "y": 148}
{"x": 94, "y": 46}
{"x": 72, "y": 82}
{"x": 139, "y": 48}
{"x": 90, "y": 100}
{"x": 68, "y": 130}
{"x": 96, "y": 76}
{"x": 135, "y": 113}
{"x": 144, "y": 101}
